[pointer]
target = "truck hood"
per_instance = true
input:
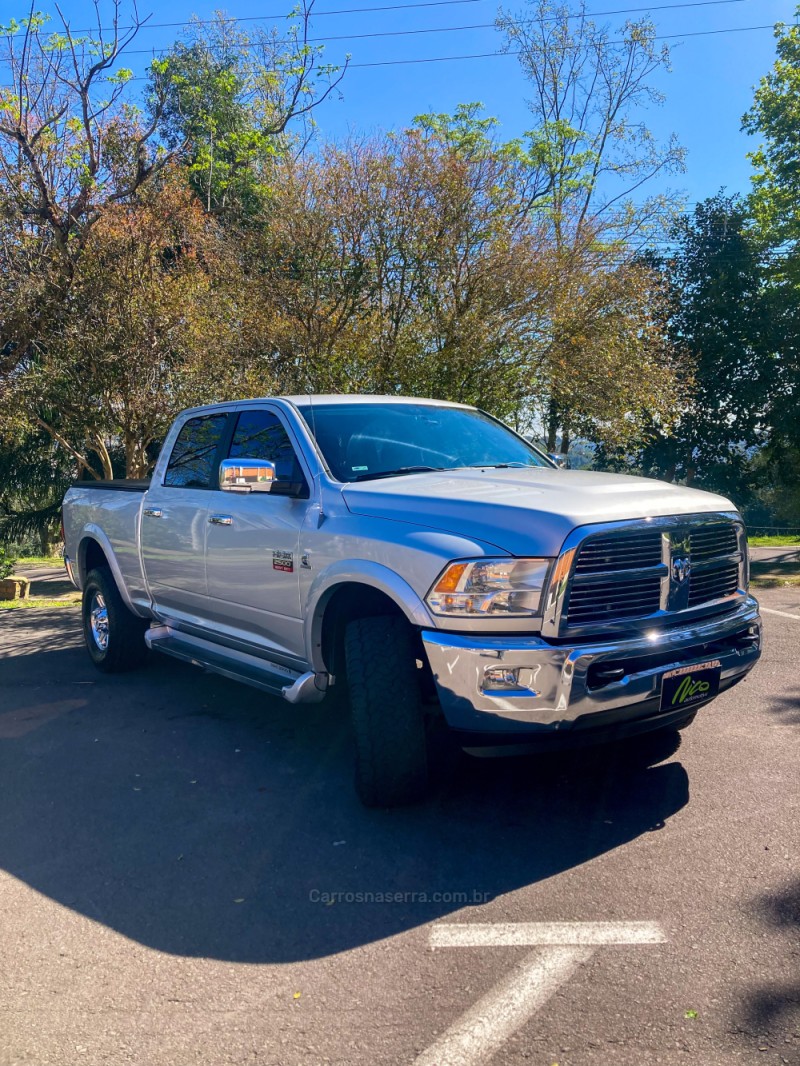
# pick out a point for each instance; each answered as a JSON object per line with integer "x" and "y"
{"x": 523, "y": 512}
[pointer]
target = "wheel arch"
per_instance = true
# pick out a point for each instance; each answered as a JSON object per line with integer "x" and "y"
{"x": 344, "y": 596}
{"x": 94, "y": 550}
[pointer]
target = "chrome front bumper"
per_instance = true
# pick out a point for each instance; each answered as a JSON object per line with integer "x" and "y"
{"x": 559, "y": 684}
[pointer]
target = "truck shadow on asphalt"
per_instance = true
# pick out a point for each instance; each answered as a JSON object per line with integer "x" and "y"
{"x": 201, "y": 818}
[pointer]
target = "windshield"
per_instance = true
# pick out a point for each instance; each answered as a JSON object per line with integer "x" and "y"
{"x": 361, "y": 441}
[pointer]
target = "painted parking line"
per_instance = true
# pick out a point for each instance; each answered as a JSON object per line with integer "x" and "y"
{"x": 561, "y": 948}
{"x": 783, "y": 614}
{"x": 535, "y": 934}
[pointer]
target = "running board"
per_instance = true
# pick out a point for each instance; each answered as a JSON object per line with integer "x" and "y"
{"x": 272, "y": 677}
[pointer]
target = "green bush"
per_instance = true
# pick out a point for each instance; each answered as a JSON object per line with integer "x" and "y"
{"x": 7, "y": 562}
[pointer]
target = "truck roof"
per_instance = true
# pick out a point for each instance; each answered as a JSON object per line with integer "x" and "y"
{"x": 341, "y": 398}
{"x": 309, "y": 398}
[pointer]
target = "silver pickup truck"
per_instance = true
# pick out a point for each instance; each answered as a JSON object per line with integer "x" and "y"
{"x": 427, "y": 559}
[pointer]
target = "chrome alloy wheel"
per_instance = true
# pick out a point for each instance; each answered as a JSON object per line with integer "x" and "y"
{"x": 98, "y": 618}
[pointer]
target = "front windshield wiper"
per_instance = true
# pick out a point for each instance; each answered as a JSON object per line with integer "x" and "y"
{"x": 396, "y": 473}
{"x": 498, "y": 466}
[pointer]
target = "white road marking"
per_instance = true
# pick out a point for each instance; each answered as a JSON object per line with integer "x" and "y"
{"x": 783, "y": 614}
{"x": 477, "y": 1035}
{"x": 562, "y": 947}
{"x": 531, "y": 934}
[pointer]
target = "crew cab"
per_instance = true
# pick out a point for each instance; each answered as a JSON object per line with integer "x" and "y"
{"x": 428, "y": 560}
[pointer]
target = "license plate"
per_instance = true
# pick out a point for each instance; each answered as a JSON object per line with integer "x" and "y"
{"x": 689, "y": 685}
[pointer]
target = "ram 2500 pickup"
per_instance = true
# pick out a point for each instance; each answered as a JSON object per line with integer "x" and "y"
{"x": 429, "y": 560}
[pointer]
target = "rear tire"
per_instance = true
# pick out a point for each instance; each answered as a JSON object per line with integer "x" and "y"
{"x": 114, "y": 636}
{"x": 390, "y": 723}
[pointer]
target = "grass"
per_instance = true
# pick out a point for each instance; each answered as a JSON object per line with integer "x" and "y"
{"x": 72, "y": 600}
{"x": 773, "y": 581}
{"x": 775, "y": 573}
{"x": 40, "y": 560}
{"x": 774, "y": 542}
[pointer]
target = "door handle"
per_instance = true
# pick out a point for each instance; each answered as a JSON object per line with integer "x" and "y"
{"x": 152, "y": 512}
{"x": 220, "y": 520}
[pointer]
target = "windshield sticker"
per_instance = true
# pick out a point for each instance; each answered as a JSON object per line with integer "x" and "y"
{"x": 283, "y": 561}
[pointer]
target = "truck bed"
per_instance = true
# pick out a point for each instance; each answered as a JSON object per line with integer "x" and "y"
{"x": 119, "y": 484}
{"x": 111, "y": 510}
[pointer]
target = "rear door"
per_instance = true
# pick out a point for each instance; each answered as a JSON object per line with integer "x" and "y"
{"x": 175, "y": 517}
{"x": 252, "y": 544}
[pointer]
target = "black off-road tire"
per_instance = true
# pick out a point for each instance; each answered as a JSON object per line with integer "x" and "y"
{"x": 125, "y": 648}
{"x": 393, "y": 751}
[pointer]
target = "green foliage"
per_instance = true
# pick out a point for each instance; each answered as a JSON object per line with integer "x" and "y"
{"x": 774, "y": 117}
{"x": 591, "y": 151}
{"x": 191, "y": 251}
{"x": 7, "y": 562}
{"x": 775, "y": 203}
{"x": 720, "y": 321}
{"x": 225, "y": 99}
{"x": 34, "y": 475}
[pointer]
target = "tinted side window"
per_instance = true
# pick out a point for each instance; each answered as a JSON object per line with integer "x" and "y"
{"x": 191, "y": 464}
{"x": 260, "y": 435}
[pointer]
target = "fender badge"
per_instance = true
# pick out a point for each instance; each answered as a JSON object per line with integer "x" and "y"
{"x": 283, "y": 561}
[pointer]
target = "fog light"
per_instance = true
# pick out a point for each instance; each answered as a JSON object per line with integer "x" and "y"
{"x": 500, "y": 677}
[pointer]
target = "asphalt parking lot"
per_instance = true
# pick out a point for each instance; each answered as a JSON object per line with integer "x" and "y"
{"x": 186, "y": 877}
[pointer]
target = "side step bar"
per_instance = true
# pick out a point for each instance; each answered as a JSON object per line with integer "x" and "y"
{"x": 269, "y": 676}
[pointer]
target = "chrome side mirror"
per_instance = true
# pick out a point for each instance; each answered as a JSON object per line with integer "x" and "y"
{"x": 246, "y": 475}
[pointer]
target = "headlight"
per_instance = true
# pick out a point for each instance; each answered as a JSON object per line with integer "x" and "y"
{"x": 508, "y": 587}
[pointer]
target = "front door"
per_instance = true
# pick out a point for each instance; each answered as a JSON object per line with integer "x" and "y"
{"x": 174, "y": 521}
{"x": 252, "y": 544}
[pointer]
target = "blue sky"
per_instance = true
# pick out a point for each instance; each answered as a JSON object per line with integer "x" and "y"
{"x": 707, "y": 92}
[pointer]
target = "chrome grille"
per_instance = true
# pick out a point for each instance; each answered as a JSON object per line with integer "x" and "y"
{"x": 709, "y": 542}
{"x": 641, "y": 573}
{"x": 713, "y": 584}
{"x": 632, "y": 551}
{"x": 618, "y": 599}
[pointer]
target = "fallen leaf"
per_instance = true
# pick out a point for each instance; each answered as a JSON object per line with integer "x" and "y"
{"x": 690, "y": 1014}
{"x": 296, "y": 995}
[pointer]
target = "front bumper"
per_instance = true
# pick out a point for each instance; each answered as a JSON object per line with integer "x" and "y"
{"x": 572, "y": 688}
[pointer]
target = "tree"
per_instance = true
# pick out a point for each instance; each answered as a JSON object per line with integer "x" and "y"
{"x": 773, "y": 117}
{"x": 425, "y": 262}
{"x": 70, "y": 145}
{"x": 72, "y": 148}
{"x": 403, "y": 264}
{"x": 34, "y": 475}
{"x": 721, "y": 322}
{"x": 589, "y": 90}
{"x": 152, "y": 327}
{"x": 233, "y": 98}
{"x": 115, "y": 311}
{"x": 775, "y": 204}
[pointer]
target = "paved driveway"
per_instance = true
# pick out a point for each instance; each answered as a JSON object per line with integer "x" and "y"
{"x": 186, "y": 877}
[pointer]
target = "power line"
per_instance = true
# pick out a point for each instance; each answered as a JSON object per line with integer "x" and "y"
{"x": 392, "y": 7}
{"x": 489, "y": 55}
{"x": 425, "y": 30}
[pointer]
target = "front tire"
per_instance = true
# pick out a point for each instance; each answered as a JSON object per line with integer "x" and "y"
{"x": 114, "y": 636}
{"x": 390, "y": 726}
